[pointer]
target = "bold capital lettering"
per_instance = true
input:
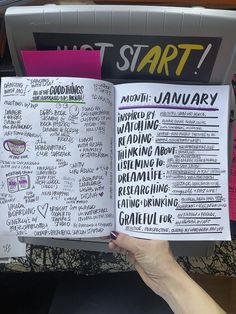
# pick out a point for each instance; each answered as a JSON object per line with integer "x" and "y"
{"x": 126, "y": 60}
{"x": 187, "y": 49}
{"x": 167, "y": 58}
{"x": 151, "y": 57}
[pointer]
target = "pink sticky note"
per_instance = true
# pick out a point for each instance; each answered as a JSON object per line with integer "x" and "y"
{"x": 70, "y": 63}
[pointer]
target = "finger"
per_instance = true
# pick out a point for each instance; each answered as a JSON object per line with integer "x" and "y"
{"x": 125, "y": 242}
{"x": 114, "y": 247}
{"x": 117, "y": 249}
{"x": 111, "y": 245}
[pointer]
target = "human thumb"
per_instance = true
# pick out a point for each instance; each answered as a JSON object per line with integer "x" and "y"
{"x": 124, "y": 241}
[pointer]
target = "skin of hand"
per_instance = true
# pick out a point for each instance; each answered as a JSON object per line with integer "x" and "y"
{"x": 152, "y": 259}
{"x": 160, "y": 271}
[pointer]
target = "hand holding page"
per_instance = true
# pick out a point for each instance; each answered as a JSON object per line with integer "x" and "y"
{"x": 82, "y": 157}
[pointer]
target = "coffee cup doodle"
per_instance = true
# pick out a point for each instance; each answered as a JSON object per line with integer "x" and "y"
{"x": 16, "y": 147}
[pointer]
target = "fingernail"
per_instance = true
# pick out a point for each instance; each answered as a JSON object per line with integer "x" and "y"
{"x": 114, "y": 235}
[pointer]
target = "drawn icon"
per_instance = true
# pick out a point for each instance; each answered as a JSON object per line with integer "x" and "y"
{"x": 101, "y": 194}
{"x": 23, "y": 182}
{"x": 12, "y": 184}
{"x": 18, "y": 183}
{"x": 7, "y": 248}
{"x": 43, "y": 209}
{"x": 16, "y": 147}
{"x": 74, "y": 110}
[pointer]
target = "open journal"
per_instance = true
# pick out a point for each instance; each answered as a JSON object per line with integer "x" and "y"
{"x": 82, "y": 157}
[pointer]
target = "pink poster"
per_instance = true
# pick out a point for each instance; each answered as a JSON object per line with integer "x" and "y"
{"x": 68, "y": 63}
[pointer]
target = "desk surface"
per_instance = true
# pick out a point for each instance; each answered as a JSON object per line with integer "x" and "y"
{"x": 41, "y": 259}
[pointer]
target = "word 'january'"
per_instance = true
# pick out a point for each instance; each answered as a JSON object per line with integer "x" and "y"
{"x": 185, "y": 99}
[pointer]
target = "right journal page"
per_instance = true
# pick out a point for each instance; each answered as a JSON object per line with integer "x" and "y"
{"x": 171, "y": 161}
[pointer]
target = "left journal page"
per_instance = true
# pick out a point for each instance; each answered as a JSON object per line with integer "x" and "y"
{"x": 56, "y": 157}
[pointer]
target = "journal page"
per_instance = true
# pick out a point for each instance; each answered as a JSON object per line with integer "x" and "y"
{"x": 171, "y": 161}
{"x": 56, "y": 152}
